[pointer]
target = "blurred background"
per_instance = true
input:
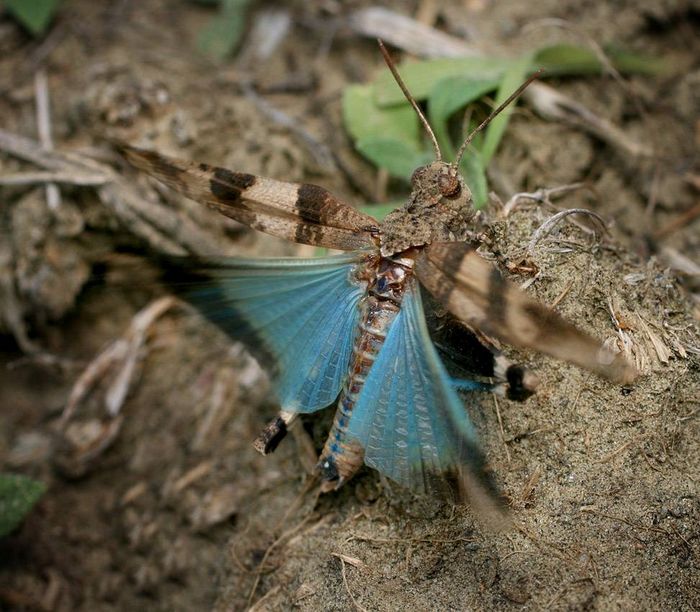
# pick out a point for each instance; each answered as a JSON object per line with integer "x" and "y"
{"x": 127, "y": 478}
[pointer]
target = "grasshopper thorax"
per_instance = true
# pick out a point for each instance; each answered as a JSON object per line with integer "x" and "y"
{"x": 439, "y": 209}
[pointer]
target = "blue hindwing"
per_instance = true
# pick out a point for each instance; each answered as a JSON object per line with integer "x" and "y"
{"x": 409, "y": 418}
{"x": 298, "y": 316}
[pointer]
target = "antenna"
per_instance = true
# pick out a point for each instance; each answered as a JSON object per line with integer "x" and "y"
{"x": 410, "y": 98}
{"x": 490, "y": 118}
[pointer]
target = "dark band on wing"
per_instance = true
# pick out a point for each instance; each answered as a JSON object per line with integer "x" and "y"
{"x": 551, "y": 324}
{"x": 452, "y": 258}
{"x": 311, "y": 202}
{"x": 228, "y": 186}
{"x": 436, "y": 282}
{"x": 318, "y": 208}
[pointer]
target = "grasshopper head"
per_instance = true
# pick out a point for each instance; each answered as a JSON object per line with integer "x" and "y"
{"x": 440, "y": 206}
{"x": 439, "y": 209}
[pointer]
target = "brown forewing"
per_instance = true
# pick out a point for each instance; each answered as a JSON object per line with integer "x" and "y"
{"x": 303, "y": 213}
{"x": 475, "y": 291}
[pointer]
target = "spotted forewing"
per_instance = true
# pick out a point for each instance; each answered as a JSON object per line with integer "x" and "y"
{"x": 303, "y": 213}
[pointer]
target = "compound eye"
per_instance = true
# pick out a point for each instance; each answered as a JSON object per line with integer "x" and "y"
{"x": 418, "y": 176}
{"x": 449, "y": 186}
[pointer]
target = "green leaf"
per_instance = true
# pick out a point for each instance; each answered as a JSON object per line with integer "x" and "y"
{"x": 474, "y": 173}
{"x": 379, "y": 211}
{"x": 570, "y": 60}
{"x": 422, "y": 77}
{"x": 393, "y": 155}
{"x": 512, "y": 79}
{"x": 18, "y": 494}
{"x": 628, "y": 62}
{"x": 35, "y": 15}
{"x": 449, "y": 95}
{"x": 364, "y": 119}
{"x": 567, "y": 59}
{"x": 222, "y": 35}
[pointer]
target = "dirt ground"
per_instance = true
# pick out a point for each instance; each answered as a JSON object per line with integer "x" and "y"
{"x": 168, "y": 507}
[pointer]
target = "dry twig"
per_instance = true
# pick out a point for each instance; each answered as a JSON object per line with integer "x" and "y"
{"x": 321, "y": 154}
{"x": 542, "y": 196}
{"x": 408, "y": 34}
{"x": 361, "y": 538}
{"x": 259, "y": 606}
{"x": 623, "y": 447}
{"x": 554, "y": 105}
{"x": 67, "y": 178}
{"x": 126, "y": 352}
{"x": 285, "y": 535}
{"x": 544, "y": 229}
{"x": 355, "y": 563}
{"x": 43, "y": 119}
{"x": 500, "y": 427}
{"x": 681, "y": 221}
{"x": 150, "y": 220}
{"x": 529, "y": 486}
{"x": 599, "y": 52}
{"x": 563, "y": 294}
